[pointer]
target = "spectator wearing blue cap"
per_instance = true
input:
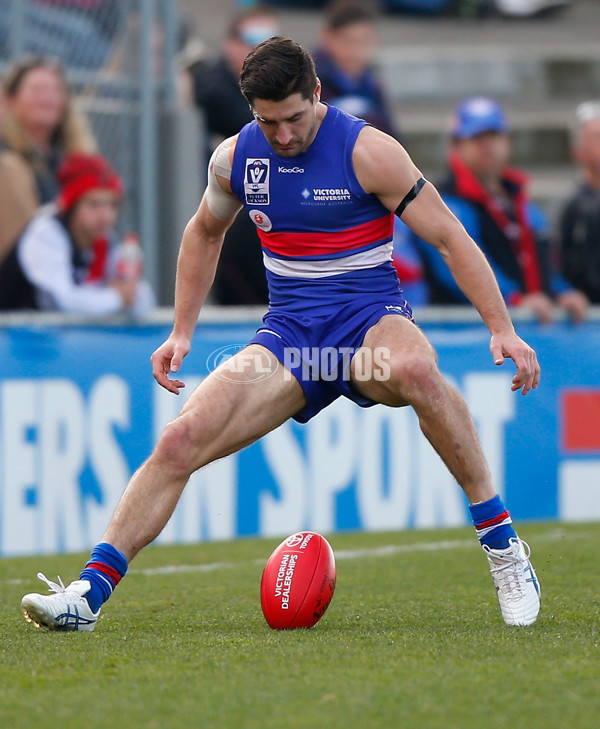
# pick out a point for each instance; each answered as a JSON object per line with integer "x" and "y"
{"x": 491, "y": 200}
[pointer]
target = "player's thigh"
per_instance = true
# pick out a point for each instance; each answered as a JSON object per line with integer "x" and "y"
{"x": 397, "y": 353}
{"x": 242, "y": 400}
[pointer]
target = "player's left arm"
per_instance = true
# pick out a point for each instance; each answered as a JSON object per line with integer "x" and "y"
{"x": 384, "y": 168}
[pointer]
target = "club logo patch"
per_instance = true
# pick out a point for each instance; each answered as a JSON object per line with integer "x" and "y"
{"x": 261, "y": 220}
{"x": 256, "y": 181}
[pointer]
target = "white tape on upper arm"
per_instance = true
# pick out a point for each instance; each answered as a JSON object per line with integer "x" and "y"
{"x": 220, "y": 203}
{"x": 220, "y": 160}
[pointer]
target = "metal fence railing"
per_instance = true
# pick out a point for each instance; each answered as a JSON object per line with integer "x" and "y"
{"x": 120, "y": 60}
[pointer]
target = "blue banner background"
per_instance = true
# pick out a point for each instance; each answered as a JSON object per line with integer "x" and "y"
{"x": 321, "y": 476}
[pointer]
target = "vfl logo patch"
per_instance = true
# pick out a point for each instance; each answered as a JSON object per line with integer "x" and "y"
{"x": 256, "y": 181}
{"x": 261, "y": 220}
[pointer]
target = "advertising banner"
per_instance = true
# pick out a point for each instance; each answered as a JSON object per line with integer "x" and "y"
{"x": 80, "y": 411}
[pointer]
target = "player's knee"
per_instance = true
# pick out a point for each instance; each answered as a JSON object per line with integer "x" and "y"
{"x": 414, "y": 374}
{"x": 177, "y": 447}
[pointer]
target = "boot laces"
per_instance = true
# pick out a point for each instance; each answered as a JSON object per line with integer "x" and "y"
{"x": 508, "y": 573}
{"x": 54, "y": 587}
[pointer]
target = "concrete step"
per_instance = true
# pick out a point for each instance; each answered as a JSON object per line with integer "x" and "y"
{"x": 540, "y": 131}
{"x": 534, "y": 72}
{"x": 541, "y": 146}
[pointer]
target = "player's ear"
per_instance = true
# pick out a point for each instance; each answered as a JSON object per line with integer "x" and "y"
{"x": 317, "y": 91}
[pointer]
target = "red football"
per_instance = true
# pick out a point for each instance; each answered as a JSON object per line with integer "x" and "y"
{"x": 298, "y": 582}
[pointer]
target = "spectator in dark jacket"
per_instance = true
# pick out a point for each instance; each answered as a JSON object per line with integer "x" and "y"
{"x": 344, "y": 63}
{"x": 580, "y": 219}
{"x": 216, "y": 89}
{"x": 492, "y": 202}
{"x": 240, "y": 277}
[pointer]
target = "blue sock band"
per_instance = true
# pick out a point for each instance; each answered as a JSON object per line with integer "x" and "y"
{"x": 104, "y": 570}
{"x": 492, "y": 523}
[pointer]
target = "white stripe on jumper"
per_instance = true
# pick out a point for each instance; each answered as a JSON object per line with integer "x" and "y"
{"x": 301, "y": 268}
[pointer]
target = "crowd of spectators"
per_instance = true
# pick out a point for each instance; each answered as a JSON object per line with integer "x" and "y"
{"x": 491, "y": 200}
{"x": 59, "y": 198}
{"x": 59, "y": 202}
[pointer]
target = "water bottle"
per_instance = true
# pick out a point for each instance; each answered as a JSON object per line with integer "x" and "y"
{"x": 129, "y": 258}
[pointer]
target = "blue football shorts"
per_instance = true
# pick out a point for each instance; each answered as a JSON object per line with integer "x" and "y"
{"x": 318, "y": 349}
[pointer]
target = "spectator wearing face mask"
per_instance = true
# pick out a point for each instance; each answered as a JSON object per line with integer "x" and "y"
{"x": 240, "y": 277}
{"x": 216, "y": 90}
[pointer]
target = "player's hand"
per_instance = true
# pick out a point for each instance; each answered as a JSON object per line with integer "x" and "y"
{"x": 510, "y": 345}
{"x": 168, "y": 358}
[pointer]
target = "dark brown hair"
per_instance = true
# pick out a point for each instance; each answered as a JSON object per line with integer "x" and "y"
{"x": 276, "y": 69}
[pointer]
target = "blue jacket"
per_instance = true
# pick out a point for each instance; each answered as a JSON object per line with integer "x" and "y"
{"x": 518, "y": 271}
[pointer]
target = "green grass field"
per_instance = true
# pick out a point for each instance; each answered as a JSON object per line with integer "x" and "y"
{"x": 413, "y": 638}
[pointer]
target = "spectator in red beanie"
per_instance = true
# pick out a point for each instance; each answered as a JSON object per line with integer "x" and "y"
{"x": 67, "y": 257}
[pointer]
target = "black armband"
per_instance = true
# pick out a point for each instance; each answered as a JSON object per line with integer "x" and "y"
{"x": 410, "y": 196}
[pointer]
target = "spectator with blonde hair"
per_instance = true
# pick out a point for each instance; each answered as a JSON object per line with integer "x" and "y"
{"x": 39, "y": 127}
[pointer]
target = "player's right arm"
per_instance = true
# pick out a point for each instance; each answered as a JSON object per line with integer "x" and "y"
{"x": 197, "y": 263}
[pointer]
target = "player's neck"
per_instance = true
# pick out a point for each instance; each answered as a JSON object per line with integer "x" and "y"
{"x": 321, "y": 113}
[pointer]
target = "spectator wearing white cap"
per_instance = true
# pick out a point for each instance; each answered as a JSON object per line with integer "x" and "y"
{"x": 492, "y": 201}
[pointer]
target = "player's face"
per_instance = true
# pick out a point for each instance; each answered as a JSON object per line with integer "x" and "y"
{"x": 485, "y": 154}
{"x": 290, "y": 125}
{"x": 94, "y": 216}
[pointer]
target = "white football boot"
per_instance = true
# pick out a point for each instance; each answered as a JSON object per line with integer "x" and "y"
{"x": 67, "y": 609}
{"x": 518, "y": 589}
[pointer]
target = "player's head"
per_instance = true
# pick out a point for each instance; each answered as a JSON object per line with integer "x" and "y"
{"x": 278, "y": 68}
{"x": 280, "y": 83}
{"x": 479, "y": 136}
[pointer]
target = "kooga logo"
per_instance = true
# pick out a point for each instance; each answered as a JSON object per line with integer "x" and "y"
{"x": 290, "y": 169}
